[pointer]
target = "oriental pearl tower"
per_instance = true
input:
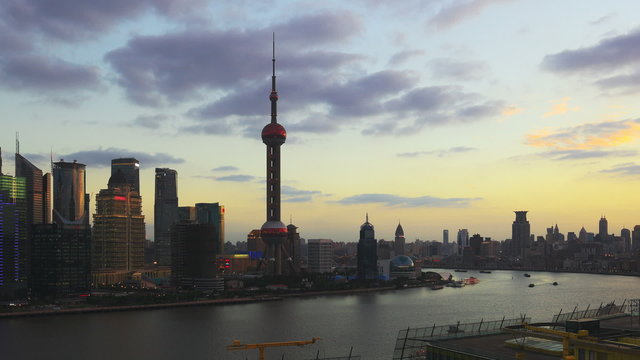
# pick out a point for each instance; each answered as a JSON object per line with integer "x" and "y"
{"x": 273, "y": 232}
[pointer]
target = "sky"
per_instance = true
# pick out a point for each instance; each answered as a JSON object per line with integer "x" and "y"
{"x": 435, "y": 114}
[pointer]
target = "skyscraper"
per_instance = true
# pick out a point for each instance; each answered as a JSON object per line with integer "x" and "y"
{"x": 273, "y": 232}
{"x": 165, "y": 212}
{"x": 520, "y": 234}
{"x": 118, "y": 227}
{"x": 212, "y": 213}
{"x": 462, "y": 240}
{"x": 603, "y": 228}
{"x": 61, "y": 252}
{"x": 70, "y": 200}
{"x": 37, "y": 191}
{"x": 367, "y": 252}
{"x": 130, "y": 168}
{"x": 398, "y": 244}
{"x": 320, "y": 254}
{"x": 13, "y": 237}
{"x": 193, "y": 250}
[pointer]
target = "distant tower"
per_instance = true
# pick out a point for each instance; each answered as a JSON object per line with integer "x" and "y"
{"x": 118, "y": 227}
{"x": 14, "y": 244}
{"x": 603, "y": 228}
{"x": 165, "y": 212}
{"x": 212, "y": 213}
{"x": 273, "y": 232}
{"x": 367, "y": 252}
{"x": 130, "y": 168}
{"x": 463, "y": 240}
{"x": 625, "y": 234}
{"x": 398, "y": 245}
{"x": 520, "y": 234}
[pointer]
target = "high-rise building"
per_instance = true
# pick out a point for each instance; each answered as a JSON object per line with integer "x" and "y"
{"x": 635, "y": 238}
{"x": 193, "y": 255}
{"x": 118, "y": 227}
{"x": 14, "y": 248}
{"x": 212, "y": 213}
{"x": 367, "y": 252}
{"x": 603, "y": 228}
{"x": 187, "y": 213}
{"x": 319, "y": 255}
{"x": 130, "y": 168}
{"x": 165, "y": 212}
{"x": 61, "y": 252}
{"x": 61, "y": 265}
{"x": 70, "y": 200}
{"x": 398, "y": 244}
{"x": 625, "y": 234}
{"x": 273, "y": 232}
{"x": 520, "y": 234}
{"x": 445, "y": 237}
{"x": 292, "y": 247}
{"x": 462, "y": 240}
{"x": 38, "y": 191}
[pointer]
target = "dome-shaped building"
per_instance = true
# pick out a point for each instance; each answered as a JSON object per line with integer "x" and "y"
{"x": 402, "y": 266}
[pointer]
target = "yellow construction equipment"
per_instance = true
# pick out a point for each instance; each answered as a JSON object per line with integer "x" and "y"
{"x": 237, "y": 345}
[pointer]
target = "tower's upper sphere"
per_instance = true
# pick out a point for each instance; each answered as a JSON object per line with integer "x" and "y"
{"x": 274, "y": 134}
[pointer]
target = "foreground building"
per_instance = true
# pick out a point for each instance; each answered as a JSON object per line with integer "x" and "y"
{"x": 193, "y": 255}
{"x": 320, "y": 254}
{"x": 61, "y": 252}
{"x": 118, "y": 230}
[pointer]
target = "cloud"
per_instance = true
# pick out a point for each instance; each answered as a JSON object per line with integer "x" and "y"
{"x": 102, "y": 157}
{"x": 627, "y": 169}
{"x": 174, "y": 67}
{"x": 292, "y": 194}
{"x": 613, "y": 63}
{"x": 403, "y": 56}
{"x": 459, "y": 11}
{"x": 439, "y": 153}
{"x": 457, "y": 70}
{"x": 510, "y": 110}
{"x": 401, "y": 201}
{"x": 560, "y": 108}
{"x": 603, "y": 19}
{"x": 578, "y": 154}
{"x": 150, "y": 121}
{"x": 236, "y": 178}
{"x": 587, "y": 136}
{"x": 46, "y": 74}
{"x": 226, "y": 168}
{"x": 71, "y": 20}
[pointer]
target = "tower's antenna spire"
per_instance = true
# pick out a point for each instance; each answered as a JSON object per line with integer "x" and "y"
{"x": 17, "y": 142}
{"x": 273, "y": 97}
{"x": 0, "y": 160}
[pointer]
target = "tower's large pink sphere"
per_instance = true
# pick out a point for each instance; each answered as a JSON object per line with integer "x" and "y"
{"x": 274, "y": 133}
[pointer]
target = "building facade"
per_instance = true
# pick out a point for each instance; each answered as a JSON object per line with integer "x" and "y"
{"x": 193, "y": 255}
{"x": 130, "y": 169}
{"x": 165, "y": 212}
{"x": 212, "y": 213}
{"x": 14, "y": 247}
{"x": 118, "y": 227}
{"x": 367, "y": 252}
{"x": 520, "y": 234}
{"x": 319, "y": 255}
{"x": 399, "y": 240}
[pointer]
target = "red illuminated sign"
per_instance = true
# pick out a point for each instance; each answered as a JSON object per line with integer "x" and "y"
{"x": 122, "y": 198}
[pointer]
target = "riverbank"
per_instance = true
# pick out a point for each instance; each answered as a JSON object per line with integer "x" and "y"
{"x": 230, "y": 301}
{"x": 534, "y": 270}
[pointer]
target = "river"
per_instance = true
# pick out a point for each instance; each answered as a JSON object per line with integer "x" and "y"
{"x": 367, "y": 322}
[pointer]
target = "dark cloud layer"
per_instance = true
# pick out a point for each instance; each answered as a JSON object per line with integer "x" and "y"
{"x": 458, "y": 11}
{"x": 102, "y": 157}
{"x": 36, "y": 73}
{"x": 457, "y": 70}
{"x": 613, "y": 63}
{"x": 226, "y": 168}
{"x": 401, "y": 201}
{"x": 236, "y": 178}
{"x": 71, "y": 20}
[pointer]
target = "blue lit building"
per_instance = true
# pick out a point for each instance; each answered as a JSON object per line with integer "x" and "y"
{"x": 13, "y": 238}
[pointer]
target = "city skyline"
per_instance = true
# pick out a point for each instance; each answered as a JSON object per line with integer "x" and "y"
{"x": 443, "y": 119}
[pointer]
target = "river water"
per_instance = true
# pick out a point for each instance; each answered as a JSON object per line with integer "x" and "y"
{"x": 367, "y": 322}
